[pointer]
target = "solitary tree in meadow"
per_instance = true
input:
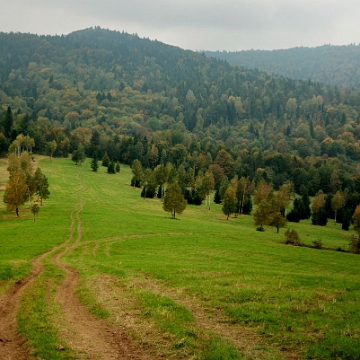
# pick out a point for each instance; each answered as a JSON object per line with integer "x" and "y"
{"x": 278, "y": 221}
{"x": 78, "y": 155}
{"x": 229, "y": 203}
{"x": 35, "y": 209}
{"x": 41, "y": 185}
{"x": 174, "y": 201}
{"x": 111, "y": 168}
{"x": 15, "y": 192}
{"x": 105, "y": 160}
{"x": 263, "y": 214}
{"x": 94, "y": 164}
{"x": 51, "y": 147}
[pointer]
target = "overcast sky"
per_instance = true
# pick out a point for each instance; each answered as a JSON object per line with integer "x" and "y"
{"x": 196, "y": 24}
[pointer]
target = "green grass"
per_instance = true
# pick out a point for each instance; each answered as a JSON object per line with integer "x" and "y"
{"x": 37, "y": 311}
{"x": 296, "y": 299}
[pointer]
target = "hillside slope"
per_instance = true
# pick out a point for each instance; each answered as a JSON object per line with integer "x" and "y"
{"x": 333, "y": 65}
{"x": 141, "y": 99}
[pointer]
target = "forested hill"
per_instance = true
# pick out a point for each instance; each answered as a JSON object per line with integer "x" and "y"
{"x": 333, "y": 65}
{"x": 142, "y": 99}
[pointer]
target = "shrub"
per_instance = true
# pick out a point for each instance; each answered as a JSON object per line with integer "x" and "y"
{"x": 292, "y": 237}
{"x": 354, "y": 246}
{"x": 317, "y": 244}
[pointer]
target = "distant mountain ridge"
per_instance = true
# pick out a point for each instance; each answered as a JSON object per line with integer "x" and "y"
{"x": 333, "y": 65}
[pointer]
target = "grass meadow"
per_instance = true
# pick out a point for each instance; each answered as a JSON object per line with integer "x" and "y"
{"x": 189, "y": 287}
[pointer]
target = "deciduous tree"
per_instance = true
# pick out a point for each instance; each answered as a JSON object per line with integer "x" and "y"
{"x": 35, "y": 209}
{"x": 263, "y": 214}
{"x": 15, "y": 191}
{"x": 51, "y": 147}
{"x": 337, "y": 203}
{"x": 207, "y": 186}
{"x": 229, "y": 202}
{"x": 136, "y": 169}
{"x": 174, "y": 201}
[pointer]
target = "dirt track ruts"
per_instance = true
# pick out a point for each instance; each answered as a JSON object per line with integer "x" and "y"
{"x": 88, "y": 336}
{"x": 13, "y": 346}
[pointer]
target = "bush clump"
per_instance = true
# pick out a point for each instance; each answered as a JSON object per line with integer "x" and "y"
{"x": 354, "y": 246}
{"x": 292, "y": 237}
{"x": 317, "y": 244}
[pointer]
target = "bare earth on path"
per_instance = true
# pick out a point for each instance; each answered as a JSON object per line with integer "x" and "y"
{"x": 88, "y": 336}
{"x": 13, "y": 346}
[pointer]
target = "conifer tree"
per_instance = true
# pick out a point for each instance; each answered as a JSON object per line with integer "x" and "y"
{"x": 111, "y": 168}
{"x": 43, "y": 188}
{"x": 78, "y": 155}
{"x": 94, "y": 164}
{"x": 346, "y": 220}
{"x": 105, "y": 160}
{"x": 217, "y": 198}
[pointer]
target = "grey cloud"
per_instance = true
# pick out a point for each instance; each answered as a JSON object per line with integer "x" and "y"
{"x": 211, "y": 24}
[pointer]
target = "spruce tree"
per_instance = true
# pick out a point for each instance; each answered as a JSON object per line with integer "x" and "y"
{"x": 94, "y": 164}
{"x": 111, "y": 168}
{"x": 8, "y": 122}
{"x": 346, "y": 220}
{"x": 105, "y": 160}
{"x": 217, "y": 198}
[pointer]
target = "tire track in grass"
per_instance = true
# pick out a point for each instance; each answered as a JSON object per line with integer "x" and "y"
{"x": 212, "y": 321}
{"x": 14, "y": 346}
{"x": 87, "y": 335}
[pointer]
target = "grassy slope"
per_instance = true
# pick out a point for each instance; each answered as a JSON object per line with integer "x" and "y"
{"x": 296, "y": 298}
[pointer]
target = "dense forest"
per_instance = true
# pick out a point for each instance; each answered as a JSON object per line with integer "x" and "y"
{"x": 334, "y": 65}
{"x": 98, "y": 91}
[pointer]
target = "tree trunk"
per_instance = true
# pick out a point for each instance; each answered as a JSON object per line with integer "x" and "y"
{"x": 17, "y": 211}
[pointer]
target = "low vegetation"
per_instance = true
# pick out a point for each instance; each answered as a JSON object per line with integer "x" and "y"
{"x": 187, "y": 287}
